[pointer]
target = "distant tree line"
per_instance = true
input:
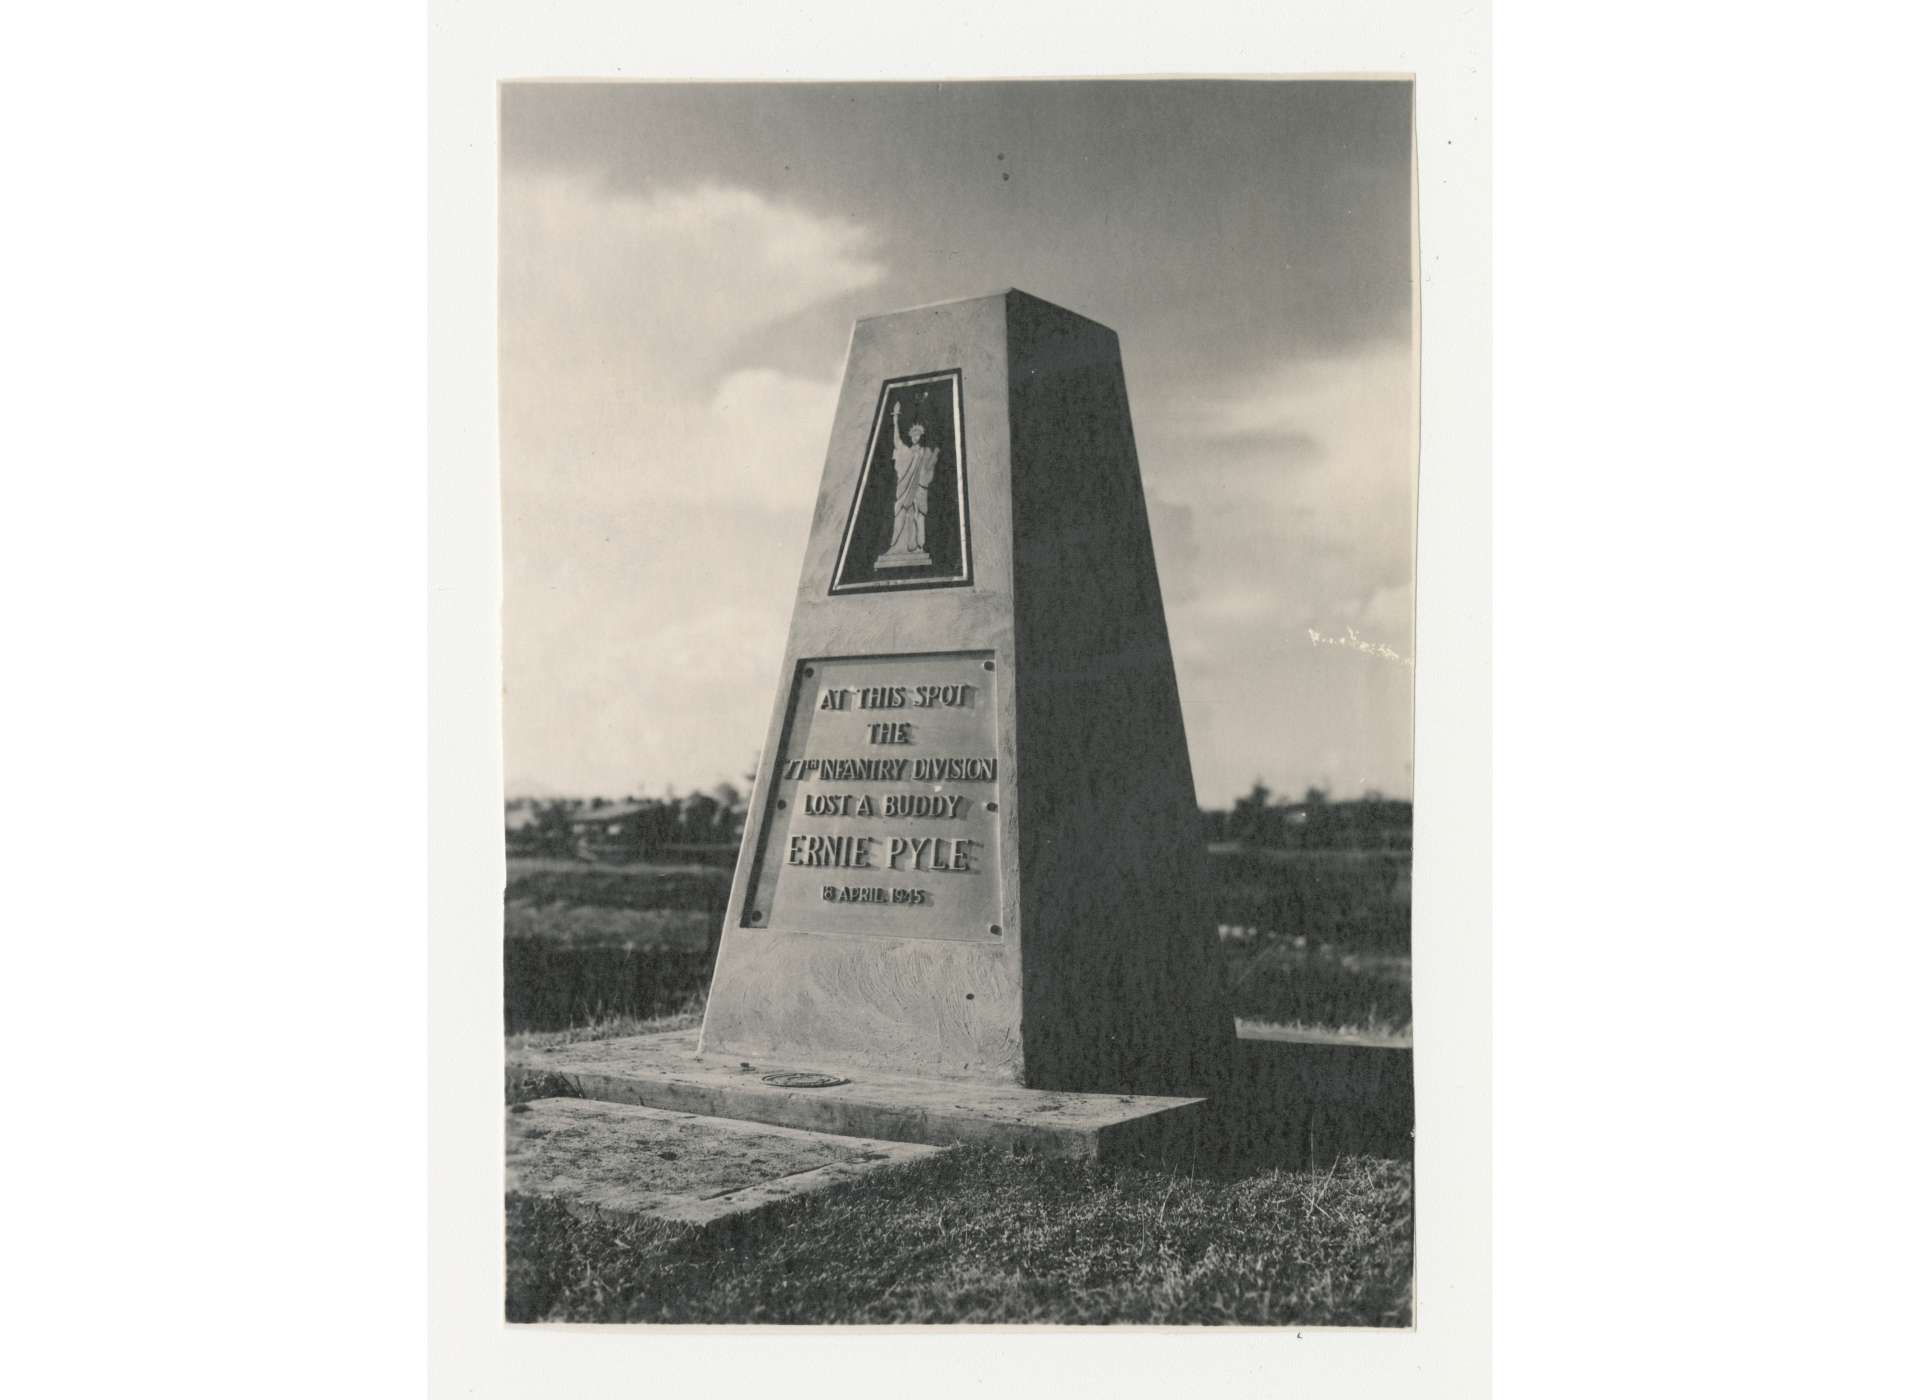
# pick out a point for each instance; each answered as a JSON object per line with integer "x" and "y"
{"x": 633, "y": 828}
{"x": 1374, "y": 822}
{"x": 642, "y": 828}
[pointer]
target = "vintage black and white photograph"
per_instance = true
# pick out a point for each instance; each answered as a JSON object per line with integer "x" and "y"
{"x": 958, "y": 653}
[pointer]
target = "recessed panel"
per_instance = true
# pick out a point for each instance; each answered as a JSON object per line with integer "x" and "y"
{"x": 906, "y": 525}
{"x": 884, "y": 811}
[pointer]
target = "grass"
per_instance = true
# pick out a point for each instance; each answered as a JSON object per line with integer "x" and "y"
{"x": 1316, "y": 940}
{"x": 979, "y": 1236}
{"x": 983, "y": 1236}
{"x": 617, "y": 886}
{"x": 1361, "y": 901}
{"x": 613, "y": 1027}
{"x": 1379, "y": 1028}
{"x": 572, "y": 866}
{"x": 592, "y": 926}
{"x": 553, "y": 985}
{"x": 1324, "y": 987}
{"x": 525, "y": 1085}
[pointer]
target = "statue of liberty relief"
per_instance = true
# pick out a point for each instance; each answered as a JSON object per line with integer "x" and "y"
{"x": 913, "y": 464}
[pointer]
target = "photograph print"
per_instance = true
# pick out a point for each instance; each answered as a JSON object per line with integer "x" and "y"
{"x": 958, "y": 649}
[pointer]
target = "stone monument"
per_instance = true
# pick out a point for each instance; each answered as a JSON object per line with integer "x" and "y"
{"x": 973, "y": 850}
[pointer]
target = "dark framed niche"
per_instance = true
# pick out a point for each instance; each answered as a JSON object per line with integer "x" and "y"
{"x": 873, "y": 555}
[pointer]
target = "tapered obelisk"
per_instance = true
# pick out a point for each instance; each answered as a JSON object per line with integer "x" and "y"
{"x": 973, "y": 851}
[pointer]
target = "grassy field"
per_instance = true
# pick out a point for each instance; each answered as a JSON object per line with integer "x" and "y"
{"x": 1308, "y": 987}
{"x": 1357, "y": 900}
{"x": 591, "y": 943}
{"x": 1268, "y": 1231}
{"x": 613, "y": 1028}
{"x": 984, "y": 1236}
{"x": 1312, "y": 940}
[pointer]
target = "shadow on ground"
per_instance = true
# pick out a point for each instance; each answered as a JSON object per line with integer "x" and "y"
{"x": 1294, "y": 1104}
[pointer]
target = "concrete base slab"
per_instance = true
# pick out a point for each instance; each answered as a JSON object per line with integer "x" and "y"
{"x": 666, "y": 1071}
{"x": 618, "y": 1159}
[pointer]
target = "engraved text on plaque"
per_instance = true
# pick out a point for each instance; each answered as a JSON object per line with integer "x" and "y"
{"x": 884, "y": 817}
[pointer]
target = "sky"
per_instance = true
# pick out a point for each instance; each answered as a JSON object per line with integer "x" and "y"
{"x": 680, "y": 269}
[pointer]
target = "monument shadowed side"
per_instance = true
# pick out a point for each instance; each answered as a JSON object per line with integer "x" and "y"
{"x": 1122, "y": 987}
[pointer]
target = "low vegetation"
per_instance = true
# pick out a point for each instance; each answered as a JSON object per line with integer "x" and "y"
{"x": 1312, "y": 939}
{"x": 1307, "y": 987}
{"x": 553, "y": 985}
{"x": 613, "y": 1027}
{"x": 537, "y": 882}
{"x": 1361, "y": 901}
{"x": 984, "y": 1236}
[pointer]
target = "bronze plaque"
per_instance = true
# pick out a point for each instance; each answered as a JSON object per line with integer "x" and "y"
{"x": 883, "y": 814}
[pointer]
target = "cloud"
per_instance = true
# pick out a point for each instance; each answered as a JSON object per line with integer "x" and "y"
{"x": 1297, "y": 485}
{"x": 666, "y": 681}
{"x": 1175, "y": 550}
{"x": 673, "y": 276}
{"x": 770, "y": 430}
{"x": 659, "y": 464}
{"x": 634, "y": 335}
{"x": 1300, "y": 480}
{"x": 1389, "y": 612}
